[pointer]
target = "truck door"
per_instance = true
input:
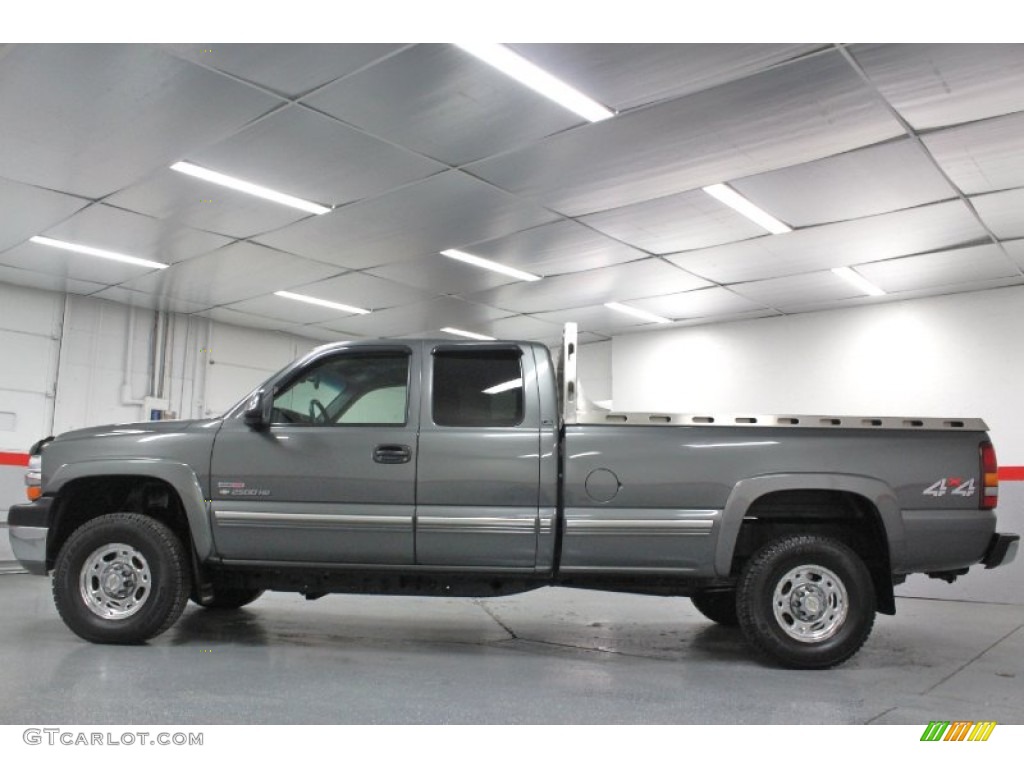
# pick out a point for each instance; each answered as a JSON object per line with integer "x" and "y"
{"x": 479, "y": 461}
{"x": 332, "y": 478}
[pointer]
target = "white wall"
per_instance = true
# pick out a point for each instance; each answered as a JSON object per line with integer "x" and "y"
{"x": 30, "y": 326}
{"x": 594, "y": 370}
{"x": 63, "y": 364}
{"x": 954, "y": 356}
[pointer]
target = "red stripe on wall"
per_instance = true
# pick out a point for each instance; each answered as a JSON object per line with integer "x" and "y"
{"x": 13, "y": 459}
{"x": 1011, "y": 473}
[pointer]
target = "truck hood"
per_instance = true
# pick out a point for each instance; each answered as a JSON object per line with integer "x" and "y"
{"x": 140, "y": 429}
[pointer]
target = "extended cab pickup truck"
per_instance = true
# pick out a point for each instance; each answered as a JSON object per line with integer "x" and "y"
{"x": 476, "y": 468}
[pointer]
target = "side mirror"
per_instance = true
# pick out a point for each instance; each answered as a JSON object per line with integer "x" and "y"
{"x": 257, "y": 412}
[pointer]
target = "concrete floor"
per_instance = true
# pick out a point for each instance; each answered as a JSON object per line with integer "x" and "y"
{"x": 550, "y": 656}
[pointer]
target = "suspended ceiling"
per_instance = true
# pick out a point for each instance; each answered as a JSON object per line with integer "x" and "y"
{"x": 905, "y": 162}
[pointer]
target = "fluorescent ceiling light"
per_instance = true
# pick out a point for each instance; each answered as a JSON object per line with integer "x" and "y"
{"x": 249, "y": 188}
{"x": 103, "y": 254}
{"x": 504, "y": 387}
{"x": 494, "y": 266}
{"x": 468, "y": 334}
{"x": 322, "y": 302}
{"x": 741, "y": 205}
{"x": 532, "y": 76}
{"x": 858, "y": 282}
{"x": 639, "y": 313}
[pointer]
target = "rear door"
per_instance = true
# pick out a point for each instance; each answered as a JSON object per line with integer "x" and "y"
{"x": 479, "y": 461}
{"x": 333, "y": 478}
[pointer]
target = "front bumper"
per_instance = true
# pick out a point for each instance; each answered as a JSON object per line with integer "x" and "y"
{"x": 1002, "y": 550}
{"x": 29, "y": 524}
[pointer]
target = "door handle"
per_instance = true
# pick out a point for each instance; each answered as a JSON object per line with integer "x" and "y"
{"x": 392, "y": 454}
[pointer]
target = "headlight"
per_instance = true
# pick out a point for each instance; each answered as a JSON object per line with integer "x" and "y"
{"x": 34, "y": 477}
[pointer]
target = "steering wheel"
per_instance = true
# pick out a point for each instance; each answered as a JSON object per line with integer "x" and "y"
{"x": 317, "y": 418}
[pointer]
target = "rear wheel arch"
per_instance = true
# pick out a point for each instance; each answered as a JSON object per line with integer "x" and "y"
{"x": 860, "y": 512}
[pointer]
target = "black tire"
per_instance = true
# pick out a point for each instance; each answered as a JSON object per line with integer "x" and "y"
{"x": 719, "y": 606}
{"x": 229, "y": 598}
{"x": 806, "y": 601}
{"x": 122, "y": 579}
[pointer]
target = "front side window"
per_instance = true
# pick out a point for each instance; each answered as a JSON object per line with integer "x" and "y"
{"x": 350, "y": 388}
{"x": 478, "y": 388}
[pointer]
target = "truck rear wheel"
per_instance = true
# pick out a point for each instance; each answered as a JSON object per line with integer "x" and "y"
{"x": 719, "y": 606}
{"x": 806, "y": 601}
{"x": 121, "y": 578}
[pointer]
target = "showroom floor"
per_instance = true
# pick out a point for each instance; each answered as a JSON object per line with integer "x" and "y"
{"x": 550, "y": 656}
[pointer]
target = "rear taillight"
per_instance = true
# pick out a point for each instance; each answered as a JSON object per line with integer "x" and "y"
{"x": 34, "y": 477}
{"x": 990, "y": 476}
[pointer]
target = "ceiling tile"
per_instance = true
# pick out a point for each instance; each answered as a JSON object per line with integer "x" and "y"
{"x": 319, "y": 333}
{"x": 1003, "y": 212}
{"x": 865, "y": 182}
{"x": 675, "y": 223}
{"x": 288, "y": 69}
{"x": 235, "y": 272}
{"x": 278, "y": 308}
{"x": 66, "y": 264}
{"x": 625, "y": 75}
{"x": 929, "y": 228}
{"x": 305, "y": 154}
{"x": 114, "y": 229}
{"x": 444, "y": 211}
{"x": 557, "y": 248}
{"x": 46, "y": 281}
{"x": 943, "y": 84}
{"x": 783, "y": 292}
{"x": 355, "y": 290}
{"x": 28, "y": 211}
{"x": 981, "y": 285}
{"x": 190, "y": 202}
{"x": 982, "y": 157}
{"x": 635, "y": 280}
{"x": 795, "y": 113}
{"x": 596, "y": 319}
{"x": 945, "y": 268}
{"x": 1015, "y": 248}
{"x": 522, "y": 327}
{"x": 149, "y": 300}
{"x": 423, "y": 318}
{"x": 444, "y": 103}
{"x": 364, "y": 291}
{"x": 91, "y": 119}
{"x": 707, "y": 302}
{"x": 439, "y": 274}
{"x": 245, "y": 319}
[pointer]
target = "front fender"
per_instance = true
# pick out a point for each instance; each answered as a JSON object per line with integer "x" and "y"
{"x": 747, "y": 491}
{"x": 179, "y": 476}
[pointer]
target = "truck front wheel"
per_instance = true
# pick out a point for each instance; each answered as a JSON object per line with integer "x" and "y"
{"x": 121, "y": 578}
{"x": 806, "y": 601}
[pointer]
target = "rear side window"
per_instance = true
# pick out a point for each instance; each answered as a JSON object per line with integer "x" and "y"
{"x": 478, "y": 388}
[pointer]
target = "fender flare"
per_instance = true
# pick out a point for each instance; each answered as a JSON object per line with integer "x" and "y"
{"x": 749, "y": 490}
{"x": 179, "y": 476}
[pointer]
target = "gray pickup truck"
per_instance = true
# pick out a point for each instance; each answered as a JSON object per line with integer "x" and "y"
{"x": 478, "y": 469}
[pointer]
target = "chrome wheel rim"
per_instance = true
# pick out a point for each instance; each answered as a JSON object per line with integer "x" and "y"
{"x": 810, "y": 603}
{"x": 115, "y": 581}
